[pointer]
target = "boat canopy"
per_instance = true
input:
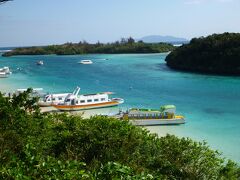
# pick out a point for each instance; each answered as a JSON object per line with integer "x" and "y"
{"x": 167, "y": 107}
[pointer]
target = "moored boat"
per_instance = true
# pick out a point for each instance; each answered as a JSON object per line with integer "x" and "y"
{"x": 85, "y": 62}
{"x": 5, "y": 72}
{"x": 39, "y": 63}
{"x": 36, "y": 92}
{"x": 76, "y": 102}
{"x": 149, "y": 117}
{"x": 51, "y": 99}
{"x": 3, "y": 75}
{"x": 54, "y": 99}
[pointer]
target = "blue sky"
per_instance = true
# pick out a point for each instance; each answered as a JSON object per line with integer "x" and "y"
{"x": 41, "y": 22}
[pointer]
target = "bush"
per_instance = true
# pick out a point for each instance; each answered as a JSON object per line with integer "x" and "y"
{"x": 59, "y": 146}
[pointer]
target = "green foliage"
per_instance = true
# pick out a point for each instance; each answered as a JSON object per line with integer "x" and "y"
{"x": 125, "y": 46}
{"x": 113, "y": 170}
{"x": 217, "y": 54}
{"x": 34, "y": 166}
{"x": 60, "y": 146}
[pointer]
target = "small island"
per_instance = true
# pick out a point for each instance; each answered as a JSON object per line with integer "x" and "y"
{"x": 216, "y": 54}
{"x": 119, "y": 47}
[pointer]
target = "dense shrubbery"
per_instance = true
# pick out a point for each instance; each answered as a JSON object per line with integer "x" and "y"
{"x": 217, "y": 54}
{"x": 124, "y": 46}
{"x": 59, "y": 146}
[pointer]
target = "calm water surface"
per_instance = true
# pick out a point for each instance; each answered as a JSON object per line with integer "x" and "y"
{"x": 211, "y": 104}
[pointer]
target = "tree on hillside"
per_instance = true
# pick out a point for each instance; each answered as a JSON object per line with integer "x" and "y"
{"x": 130, "y": 40}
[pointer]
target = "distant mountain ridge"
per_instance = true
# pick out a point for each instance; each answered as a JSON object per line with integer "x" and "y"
{"x": 165, "y": 39}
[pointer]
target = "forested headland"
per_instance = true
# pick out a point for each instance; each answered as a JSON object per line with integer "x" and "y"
{"x": 214, "y": 54}
{"x": 119, "y": 47}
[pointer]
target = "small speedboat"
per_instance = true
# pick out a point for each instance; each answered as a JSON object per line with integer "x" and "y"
{"x": 85, "y": 62}
{"x": 40, "y": 63}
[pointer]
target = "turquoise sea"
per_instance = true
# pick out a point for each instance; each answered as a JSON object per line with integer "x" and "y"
{"x": 211, "y": 104}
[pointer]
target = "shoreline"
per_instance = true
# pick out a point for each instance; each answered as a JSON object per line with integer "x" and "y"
{"x": 161, "y": 131}
{"x": 170, "y": 87}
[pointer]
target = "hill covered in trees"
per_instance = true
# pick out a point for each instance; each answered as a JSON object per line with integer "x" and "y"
{"x": 60, "y": 146}
{"x": 215, "y": 54}
{"x": 124, "y": 46}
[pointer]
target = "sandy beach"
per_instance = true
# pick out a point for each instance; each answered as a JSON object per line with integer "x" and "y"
{"x": 4, "y": 88}
{"x": 85, "y": 113}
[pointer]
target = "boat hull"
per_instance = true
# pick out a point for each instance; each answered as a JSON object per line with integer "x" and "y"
{"x": 45, "y": 104}
{"x": 85, "y": 107}
{"x": 155, "y": 122}
{"x": 3, "y": 75}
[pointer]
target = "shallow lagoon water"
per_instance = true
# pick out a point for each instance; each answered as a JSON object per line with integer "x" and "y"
{"x": 211, "y": 104}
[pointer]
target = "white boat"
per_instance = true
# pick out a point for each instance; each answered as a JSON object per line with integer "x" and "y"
{"x": 76, "y": 102}
{"x": 150, "y": 117}
{"x": 54, "y": 99}
{"x": 85, "y": 62}
{"x": 40, "y": 63}
{"x": 36, "y": 92}
{"x": 3, "y": 75}
{"x": 5, "y": 70}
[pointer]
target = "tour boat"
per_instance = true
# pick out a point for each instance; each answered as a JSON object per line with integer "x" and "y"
{"x": 40, "y": 63}
{"x": 36, "y": 92}
{"x": 85, "y": 62}
{"x": 147, "y": 117}
{"x": 54, "y": 99}
{"x": 3, "y": 75}
{"x": 76, "y": 102}
{"x": 5, "y": 70}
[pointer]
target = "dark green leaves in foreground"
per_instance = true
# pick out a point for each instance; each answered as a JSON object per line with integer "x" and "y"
{"x": 58, "y": 146}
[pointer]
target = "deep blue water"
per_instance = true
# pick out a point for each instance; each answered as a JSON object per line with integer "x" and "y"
{"x": 211, "y": 104}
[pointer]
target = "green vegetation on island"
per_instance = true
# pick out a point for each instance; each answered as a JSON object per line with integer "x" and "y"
{"x": 124, "y": 46}
{"x": 215, "y": 54}
{"x": 36, "y": 145}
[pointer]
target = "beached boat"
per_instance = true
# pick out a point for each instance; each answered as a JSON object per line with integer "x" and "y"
{"x": 149, "y": 117}
{"x": 54, "y": 99}
{"x": 36, "y": 92}
{"x": 85, "y": 62}
{"x": 39, "y": 63}
{"x": 45, "y": 99}
{"x": 76, "y": 102}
